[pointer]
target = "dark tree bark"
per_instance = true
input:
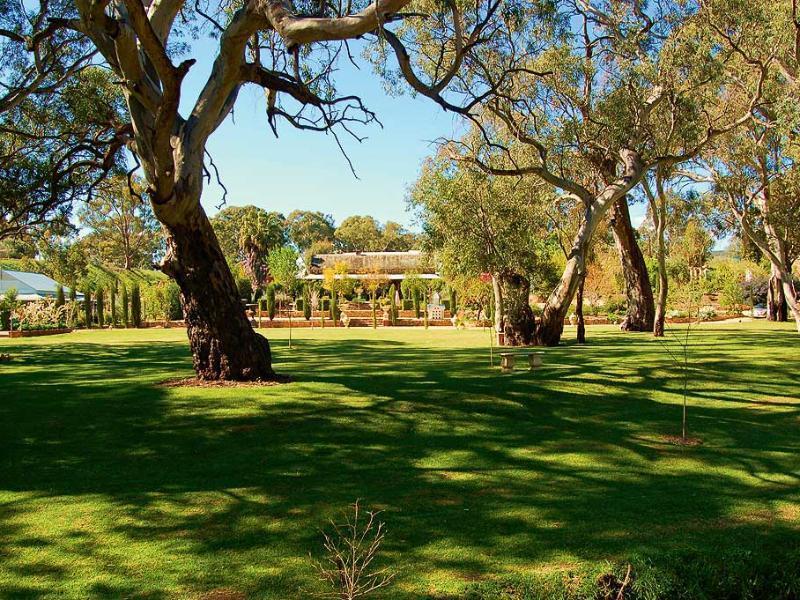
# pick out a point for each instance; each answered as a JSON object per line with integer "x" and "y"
{"x": 518, "y": 318}
{"x": 777, "y": 308}
{"x": 579, "y": 312}
{"x": 639, "y": 292}
{"x": 223, "y": 342}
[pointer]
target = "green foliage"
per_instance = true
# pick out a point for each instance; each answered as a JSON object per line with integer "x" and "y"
{"x": 752, "y": 573}
{"x": 113, "y": 302}
{"x": 306, "y": 302}
{"x": 306, "y": 228}
{"x": 125, "y": 306}
{"x": 453, "y": 304}
{"x": 101, "y": 312}
{"x": 60, "y": 300}
{"x": 121, "y": 229}
{"x": 161, "y": 301}
{"x": 270, "y": 301}
{"x": 87, "y": 308}
{"x": 246, "y": 235}
{"x": 334, "y": 309}
{"x": 392, "y": 304}
{"x": 362, "y": 233}
{"x": 8, "y": 303}
{"x": 72, "y": 315}
{"x": 283, "y": 267}
{"x": 136, "y": 306}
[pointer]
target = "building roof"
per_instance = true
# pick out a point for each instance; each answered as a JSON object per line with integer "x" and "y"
{"x": 363, "y": 264}
{"x": 29, "y": 286}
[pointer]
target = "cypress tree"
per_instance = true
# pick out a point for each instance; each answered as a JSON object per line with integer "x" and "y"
{"x": 306, "y": 302}
{"x": 60, "y": 295}
{"x": 87, "y": 308}
{"x": 113, "y": 295}
{"x": 271, "y": 301}
{"x": 392, "y": 305}
{"x": 73, "y": 307}
{"x": 334, "y": 309}
{"x": 136, "y": 306}
{"x": 415, "y": 298}
{"x": 101, "y": 317}
{"x": 125, "y": 315}
{"x": 453, "y": 299}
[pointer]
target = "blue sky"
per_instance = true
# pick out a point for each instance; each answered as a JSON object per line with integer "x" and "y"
{"x": 305, "y": 170}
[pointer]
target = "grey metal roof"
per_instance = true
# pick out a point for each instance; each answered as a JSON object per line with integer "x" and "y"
{"x": 28, "y": 283}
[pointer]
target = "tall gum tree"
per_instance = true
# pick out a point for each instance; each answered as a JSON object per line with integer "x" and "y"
{"x": 584, "y": 114}
{"x": 755, "y": 171}
{"x": 290, "y": 51}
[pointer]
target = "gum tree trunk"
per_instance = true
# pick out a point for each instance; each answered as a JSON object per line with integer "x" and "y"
{"x": 223, "y": 342}
{"x": 518, "y": 321}
{"x": 777, "y": 309}
{"x": 639, "y": 292}
{"x": 581, "y": 337}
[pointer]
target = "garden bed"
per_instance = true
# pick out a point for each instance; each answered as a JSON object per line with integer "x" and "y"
{"x": 37, "y": 332}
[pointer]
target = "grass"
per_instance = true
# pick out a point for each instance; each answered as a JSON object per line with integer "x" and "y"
{"x": 111, "y": 486}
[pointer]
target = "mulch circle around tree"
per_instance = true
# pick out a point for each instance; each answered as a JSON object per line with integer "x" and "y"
{"x": 677, "y": 440}
{"x": 201, "y": 383}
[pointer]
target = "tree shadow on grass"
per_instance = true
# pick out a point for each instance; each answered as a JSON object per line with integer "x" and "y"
{"x": 479, "y": 474}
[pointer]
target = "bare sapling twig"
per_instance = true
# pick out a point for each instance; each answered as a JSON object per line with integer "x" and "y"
{"x": 681, "y": 353}
{"x": 350, "y": 550}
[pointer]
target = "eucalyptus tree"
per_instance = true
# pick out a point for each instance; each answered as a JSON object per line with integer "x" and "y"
{"x": 755, "y": 170}
{"x": 61, "y": 123}
{"x": 477, "y": 223}
{"x": 119, "y": 226}
{"x": 291, "y": 51}
{"x": 585, "y": 112}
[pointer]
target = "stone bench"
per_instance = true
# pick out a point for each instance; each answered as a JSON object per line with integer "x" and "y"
{"x": 507, "y": 361}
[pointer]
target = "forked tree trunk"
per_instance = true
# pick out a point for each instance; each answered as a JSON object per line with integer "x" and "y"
{"x": 579, "y": 311}
{"x": 777, "y": 308}
{"x": 518, "y": 321}
{"x": 224, "y": 344}
{"x": 550, "y": 325}
{"x": 641, "y": 308}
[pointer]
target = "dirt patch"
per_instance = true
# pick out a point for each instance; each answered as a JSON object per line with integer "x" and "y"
{"x": 201, "y": 383}
{"x": 222, "y": 594}
{"x": 677, "y": 440}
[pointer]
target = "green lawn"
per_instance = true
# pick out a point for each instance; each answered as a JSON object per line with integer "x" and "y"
{"x": 112, "y": 486}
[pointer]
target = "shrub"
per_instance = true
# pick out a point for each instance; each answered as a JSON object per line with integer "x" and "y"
{"x": 7, "y": 306}
{"x": 306, "y": 302}
{"x": 113, "y": 299}
{"x": 101, "y": 318}
{"x": 742, "y": 574}
{"x": 125, "y": 310}
{"x": 270, "y": 301}
{"x": 60, "y": 300}
{"x": 334, "y": 308}
{"x": 87, "y": 308}
{"x": 73, "y": 307}
{"x": 136, "y": 306}
{"x": 41, "y": 315}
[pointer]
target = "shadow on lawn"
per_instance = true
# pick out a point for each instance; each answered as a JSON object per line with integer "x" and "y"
{"x": 478, "y": 473}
